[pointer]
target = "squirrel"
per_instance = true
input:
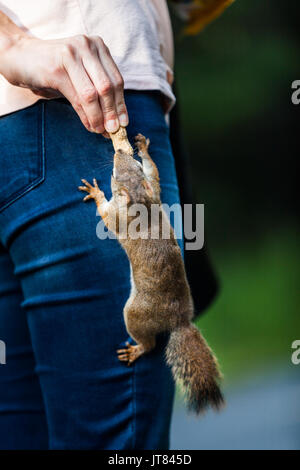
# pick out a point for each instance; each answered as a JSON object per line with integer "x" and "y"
{"x": 160, "y": 298}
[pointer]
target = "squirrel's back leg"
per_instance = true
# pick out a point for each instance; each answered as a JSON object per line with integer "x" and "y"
{"x": 145, "y": 342}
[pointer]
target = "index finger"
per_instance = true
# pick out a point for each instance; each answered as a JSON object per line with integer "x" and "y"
{"x": 113, "y": 72}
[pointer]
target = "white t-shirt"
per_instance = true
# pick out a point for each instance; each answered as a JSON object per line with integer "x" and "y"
{"x": 137, "y": 32}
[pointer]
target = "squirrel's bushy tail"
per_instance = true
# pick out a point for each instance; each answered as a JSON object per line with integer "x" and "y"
{"x": 195, "y": 367}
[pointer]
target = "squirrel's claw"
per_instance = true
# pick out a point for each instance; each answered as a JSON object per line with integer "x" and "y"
{"x": 123, "y": 357}
{"x": 83, "y": 188}
{"x": 87, "y": 197}
{"x": 86, "y": 183}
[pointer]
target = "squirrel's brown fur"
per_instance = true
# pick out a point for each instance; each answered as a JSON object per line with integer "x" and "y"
{"x": 195, "y": 367}
{"x": 160, "y": 298}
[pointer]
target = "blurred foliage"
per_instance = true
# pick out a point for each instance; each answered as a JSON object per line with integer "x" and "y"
{"x": 256, "y": 317}
{"x": 241, "y": 130}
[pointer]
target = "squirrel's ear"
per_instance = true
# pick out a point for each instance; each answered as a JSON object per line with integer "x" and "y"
{"x": 125, "y": 194}
{"x": 148, "y": 188}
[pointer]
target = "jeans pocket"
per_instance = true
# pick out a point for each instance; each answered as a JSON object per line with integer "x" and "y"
{"x": 21, "y": 153}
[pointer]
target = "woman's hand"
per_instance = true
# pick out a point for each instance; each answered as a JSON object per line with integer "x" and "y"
{"x": 79, "y": 68}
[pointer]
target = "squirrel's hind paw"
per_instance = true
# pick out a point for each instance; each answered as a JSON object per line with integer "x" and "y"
{"x": 130, "y": 354}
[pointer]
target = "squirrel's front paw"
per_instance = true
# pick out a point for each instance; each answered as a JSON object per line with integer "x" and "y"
{"x": 142, "y": 143}
{"x": 94, "y": 192}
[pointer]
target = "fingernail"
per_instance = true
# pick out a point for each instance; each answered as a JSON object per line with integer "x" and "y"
{"x": 98, "y": 130}
{"x": 123, "y": 118}
{"x": 112, "y": 125}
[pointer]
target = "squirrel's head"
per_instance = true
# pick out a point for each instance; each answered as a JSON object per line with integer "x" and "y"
{"x": 128, "y": 182}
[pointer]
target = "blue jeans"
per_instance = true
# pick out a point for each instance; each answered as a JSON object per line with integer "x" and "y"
{"x": 62, "y": 290}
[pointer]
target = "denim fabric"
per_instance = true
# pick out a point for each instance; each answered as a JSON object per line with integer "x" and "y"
{"x": 62, "y": 290}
